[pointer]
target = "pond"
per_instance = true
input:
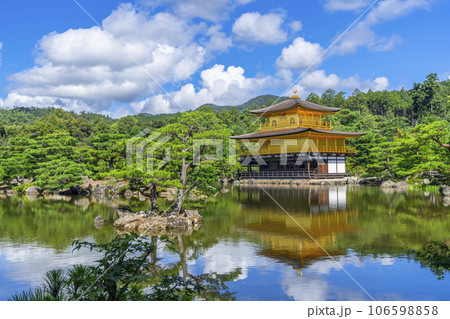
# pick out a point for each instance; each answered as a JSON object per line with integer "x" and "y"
{"x": 276, "y": 243}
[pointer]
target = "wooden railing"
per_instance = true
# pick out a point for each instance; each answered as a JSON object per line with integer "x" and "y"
{"x": 332, "y": 149}
{"x": 326, "y": 125}
{"x": 293, "y": 149}
{"x": 289, "y": 175}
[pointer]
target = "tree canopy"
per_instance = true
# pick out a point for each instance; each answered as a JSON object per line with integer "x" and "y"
{"x": 408, "y": 135}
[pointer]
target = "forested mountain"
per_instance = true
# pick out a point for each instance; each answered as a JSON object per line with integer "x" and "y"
{"x": 252, "y": 104}
{"x": 408, "y": 135}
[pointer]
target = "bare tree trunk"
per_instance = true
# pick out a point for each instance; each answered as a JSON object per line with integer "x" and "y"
{"x": 182, "y": 256}
{"x": 153, "y": 199}
{"x": 154, "y": 241}
{"x": 111, "y": 214}
{"x": 179, "y": 202}
{"x": 437, "y": 140}
{"x": 111, "y": 163}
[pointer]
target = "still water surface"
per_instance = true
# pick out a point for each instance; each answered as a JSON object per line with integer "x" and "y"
{"x": 262, "y": 253}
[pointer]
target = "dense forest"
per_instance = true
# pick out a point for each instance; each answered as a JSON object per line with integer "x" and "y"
{"x": 408, "y": 135}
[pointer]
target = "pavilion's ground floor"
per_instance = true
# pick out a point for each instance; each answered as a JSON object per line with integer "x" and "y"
{"x": 294, "y": 166}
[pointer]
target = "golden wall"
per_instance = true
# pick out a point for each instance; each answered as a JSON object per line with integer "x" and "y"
{"x": 294, "y": 119}
{"x": 323, "y": 144}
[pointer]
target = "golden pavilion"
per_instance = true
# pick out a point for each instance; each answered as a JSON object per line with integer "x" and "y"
{"x": 295, "y": 141}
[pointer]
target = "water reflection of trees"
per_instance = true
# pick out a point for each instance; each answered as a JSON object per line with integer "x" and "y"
{"x": 54, "y": 223}
{"x": 214, "y": 284}
{"x": 366, "y": 220}
{"x": 388, "y": 222}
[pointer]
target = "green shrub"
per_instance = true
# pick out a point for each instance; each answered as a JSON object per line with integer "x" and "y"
{"x": 21, "y": 188}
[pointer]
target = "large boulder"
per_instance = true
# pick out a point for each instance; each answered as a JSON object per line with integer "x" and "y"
{"x": 99, "y": 191}
{"x": 33, "y": 190}
{"x": 387, "y": 184}
{"x": 86, "y": 180}
{"x": 195, "y": 194}
{"x": 128, "y": 218}
{"x": 122, "y": 211}
{"x": 20, "y": 180}
{"x": 83, "y": 202}
{"x": 353, "y": 180}
{"x": 155, "y": 224}
{"x": 445, "y": 190}
{"x": 373, "y": 181}
{"x": 178, "y": 222}
{"x": 401, "y": 185}
{"x": 146, "y": 222}
{"x": 128, "y": 194}
{"x": 170, "y": 193}
{"x": 167, "y": 196}
{"x": 446, "y": 201}
{"x": 130, "y": 221}
{"x": 100, "y": 220}
{"x": 116, "y": 188}
{"x": 193, "y": 216}
{"x": 142, "y": 197}
{"x": 74, "y": 191}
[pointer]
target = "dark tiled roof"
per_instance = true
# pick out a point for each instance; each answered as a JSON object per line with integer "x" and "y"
{"x": 293, "y": 102}
{"x": 292, "y": 131}
{"x": 316, "y": 130}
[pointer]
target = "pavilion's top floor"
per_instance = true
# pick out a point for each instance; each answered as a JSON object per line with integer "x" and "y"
{"x": 292, "y": 113}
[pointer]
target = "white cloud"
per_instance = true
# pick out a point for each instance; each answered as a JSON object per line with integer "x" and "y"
{"x": 219, "y": 86}
{"x": 84, "y": 67}
{"x": 226, "y": 257}
{"x": 216, "y": 10}
{"x": 346, "y": 5}
{"x": 243, "y": 1}
{"x": 218, "y": 40}
{"x": 117, "y": 112}
{"x": 295, "y": 26}
{"x": 363, "y": 35}
{"x": 380, "y": 84}
{"x": 318, "y": 81}
{"x": 299, "y": 55}
{"x": 29, "y": 262}
{"x": 15, "y": 99}
{"x": 253, "y": 27}
{"x": 84, "y": 70}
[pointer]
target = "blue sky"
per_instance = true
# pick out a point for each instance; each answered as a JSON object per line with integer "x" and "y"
{"x": 166, "y": 56}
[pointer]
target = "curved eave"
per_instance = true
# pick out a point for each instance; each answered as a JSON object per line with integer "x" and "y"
{"x": 297, "y": 130}
{"x": 293, "y": 103}
{"x": 285, "y": 132}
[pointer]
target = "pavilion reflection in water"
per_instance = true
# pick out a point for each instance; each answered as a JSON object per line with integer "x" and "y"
{"x": 322, "y": 212}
